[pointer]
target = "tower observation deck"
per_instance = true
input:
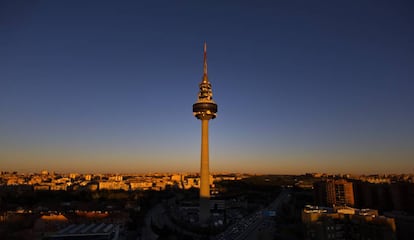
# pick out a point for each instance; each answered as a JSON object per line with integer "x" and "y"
{"x": 205, "y": 109}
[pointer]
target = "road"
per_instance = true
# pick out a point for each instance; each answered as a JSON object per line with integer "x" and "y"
{"x": 152, "y": 215}
{"x": 255, "y": 226}
{"x": 160, "y": 218}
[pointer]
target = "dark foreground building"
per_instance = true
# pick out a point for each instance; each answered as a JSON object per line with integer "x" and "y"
{"x": 346, "y": 223}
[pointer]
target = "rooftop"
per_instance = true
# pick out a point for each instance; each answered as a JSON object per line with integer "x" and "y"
{"x": 86, "y": 231}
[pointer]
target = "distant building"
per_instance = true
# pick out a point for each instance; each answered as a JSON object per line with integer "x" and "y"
{"x": 88, "y": 177}
{"x": 74, "y": 175}
{"x": 190, "y": 182}
{"x": 116, "y": 178}
{"x": 111, "y": 185}
{"x": 141, "y": 185}
{"x": 177, "y": 178}
{"x": 334, "y": 193}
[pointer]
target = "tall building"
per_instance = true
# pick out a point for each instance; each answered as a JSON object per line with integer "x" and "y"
{"x": 334, "y": 193}
{"x": 204, "y": 109}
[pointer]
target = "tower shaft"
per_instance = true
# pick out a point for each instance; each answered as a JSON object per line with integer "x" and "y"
{"x": 204, "y": 167}
{"x": 204, "y": 109}
{"x": 204, "y": 174}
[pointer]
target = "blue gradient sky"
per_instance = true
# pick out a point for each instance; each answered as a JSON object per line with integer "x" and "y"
{"x": 302, "y": 86}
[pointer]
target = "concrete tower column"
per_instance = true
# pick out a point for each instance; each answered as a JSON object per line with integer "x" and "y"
{"x": 204, "y": 167}
{"x": 204, "y": 109}
{"x": 204, "y": 174}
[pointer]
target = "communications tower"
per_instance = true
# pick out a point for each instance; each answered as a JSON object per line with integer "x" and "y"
{"x": 204, "y": 109}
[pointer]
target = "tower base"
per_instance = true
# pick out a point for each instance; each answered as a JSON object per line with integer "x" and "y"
{"x": 204, "y": 214}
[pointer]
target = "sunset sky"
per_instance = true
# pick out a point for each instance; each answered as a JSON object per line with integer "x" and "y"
{"x": 301, "y": 86}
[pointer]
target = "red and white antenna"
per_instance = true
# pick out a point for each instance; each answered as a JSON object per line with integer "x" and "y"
{"x": 205, "y": 78}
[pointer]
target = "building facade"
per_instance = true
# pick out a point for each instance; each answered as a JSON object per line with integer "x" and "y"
{"x": 334, "y": 193}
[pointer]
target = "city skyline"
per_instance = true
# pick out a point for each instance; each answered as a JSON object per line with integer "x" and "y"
{"x": 302, "y": 87}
